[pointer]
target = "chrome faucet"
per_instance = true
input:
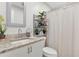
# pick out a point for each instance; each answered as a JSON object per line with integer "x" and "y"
{"x": 19, "y": 33}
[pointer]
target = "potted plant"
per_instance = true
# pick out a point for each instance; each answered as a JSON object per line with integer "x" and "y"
{"x": 44, "y": 30}
{"x": 36, "y": 31}
{"x": 42, "y": 23}
{"x": 2, "y": 28}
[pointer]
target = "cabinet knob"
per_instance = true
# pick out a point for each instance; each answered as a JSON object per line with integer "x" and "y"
{"x": 28, "y": 50}
{"x": 31, "y": 48}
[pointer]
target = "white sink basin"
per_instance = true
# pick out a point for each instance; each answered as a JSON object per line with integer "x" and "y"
{"x": 20, "y": 41}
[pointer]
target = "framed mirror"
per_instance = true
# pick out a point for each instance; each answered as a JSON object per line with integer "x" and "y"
{"x": 16, "y": 15}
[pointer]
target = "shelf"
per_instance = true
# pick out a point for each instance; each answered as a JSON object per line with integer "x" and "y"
{"x": 40, "y": 35}
{"x": 36, "y": 20}
{"x": 41, "y": 27}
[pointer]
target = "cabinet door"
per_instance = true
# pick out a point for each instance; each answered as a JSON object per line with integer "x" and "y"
{"x": 36, "y": 49}
{"x": 19, "y": 52}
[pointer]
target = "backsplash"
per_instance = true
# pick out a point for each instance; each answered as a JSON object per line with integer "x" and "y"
{"x": 15, "y": 36}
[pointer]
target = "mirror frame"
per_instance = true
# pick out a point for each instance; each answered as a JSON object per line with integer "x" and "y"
{"x": 8, "y": 16}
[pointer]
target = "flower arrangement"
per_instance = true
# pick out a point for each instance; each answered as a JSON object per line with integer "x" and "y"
{"x": 2, "y": 28}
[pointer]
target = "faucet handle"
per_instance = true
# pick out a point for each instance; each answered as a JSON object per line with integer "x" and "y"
{"x": 19, "y": 30}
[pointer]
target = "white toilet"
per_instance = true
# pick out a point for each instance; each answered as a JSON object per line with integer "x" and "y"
{"x": 49, "y": 52}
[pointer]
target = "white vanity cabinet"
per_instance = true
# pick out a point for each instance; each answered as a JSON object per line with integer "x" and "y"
{"x": 34, "y": 49}
{"x": 18, "y": 52}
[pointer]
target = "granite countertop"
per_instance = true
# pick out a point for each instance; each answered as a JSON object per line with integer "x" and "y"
{"x": 11, "y": 45}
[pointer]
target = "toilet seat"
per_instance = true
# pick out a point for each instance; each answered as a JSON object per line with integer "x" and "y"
{"x": 49, "y": 52}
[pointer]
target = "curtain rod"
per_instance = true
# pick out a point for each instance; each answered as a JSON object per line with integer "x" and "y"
{"x": 63, "y": 7}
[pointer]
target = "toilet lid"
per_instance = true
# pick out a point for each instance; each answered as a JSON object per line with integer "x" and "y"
{"x": 49, "y": 50}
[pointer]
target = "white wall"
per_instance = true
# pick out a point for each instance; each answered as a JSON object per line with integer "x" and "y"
{"x": 31, "y": 8}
